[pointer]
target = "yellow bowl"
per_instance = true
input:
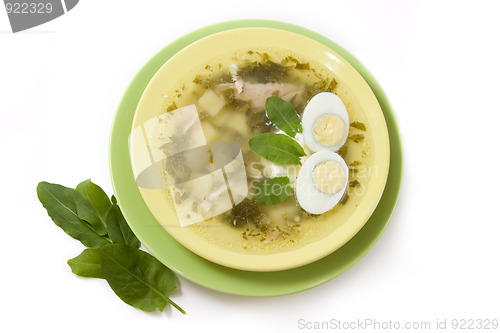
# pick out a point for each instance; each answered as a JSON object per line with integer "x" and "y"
{"x": 152, "y": 104}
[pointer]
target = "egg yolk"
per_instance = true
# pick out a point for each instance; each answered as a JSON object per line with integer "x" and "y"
{"x": 328, "y": 177}
{"x": 329, "y": 130}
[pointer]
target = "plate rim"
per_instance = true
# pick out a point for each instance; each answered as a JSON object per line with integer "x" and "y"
{"x": 237, "y": 280}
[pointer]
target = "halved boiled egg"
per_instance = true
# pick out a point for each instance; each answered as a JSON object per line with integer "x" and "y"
{"x": 321, "y": 182}
{"x": 325, "y": 122}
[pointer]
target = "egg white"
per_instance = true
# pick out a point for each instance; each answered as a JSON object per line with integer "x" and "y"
{"x": 310, "y": 198}
{"x": 320, "y": 104}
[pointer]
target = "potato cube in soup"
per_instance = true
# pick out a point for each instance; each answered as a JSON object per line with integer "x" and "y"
{"x": 239, "y": 123}
{"x": 222, "y": 119}
{"x": 211, "y": 103}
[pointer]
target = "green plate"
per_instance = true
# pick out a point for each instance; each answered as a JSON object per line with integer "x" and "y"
{"x": 202, "y": 271}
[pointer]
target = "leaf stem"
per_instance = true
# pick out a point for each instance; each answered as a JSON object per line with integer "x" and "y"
{"x": 175, "y": 305}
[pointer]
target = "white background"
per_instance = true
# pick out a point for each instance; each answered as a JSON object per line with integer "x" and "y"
{"x": 438, "y": 62}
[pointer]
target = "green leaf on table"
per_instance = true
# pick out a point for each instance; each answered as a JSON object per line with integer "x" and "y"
{"x": 272, "y": 191}
{"x": 137, "y": 277}
{"x": 283, "y": 115}
{"x": 96, "y": 206}
{"x": 277, "y": 148}
{"x": 61, "y": 205}
{"x": 87, "y": 264}
{"x": 118, "y": 228}
{"x": 86, "y": 212}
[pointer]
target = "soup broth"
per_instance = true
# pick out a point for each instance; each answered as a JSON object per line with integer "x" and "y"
{"x": 229, "y": 93}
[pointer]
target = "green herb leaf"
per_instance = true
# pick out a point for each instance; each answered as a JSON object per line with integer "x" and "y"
{"x": 272, "y": 191}
{"x": 96, "y": 206}
{"x": 61, "y": 205}
{"x": 343, "y": 151}
{"x": 283, "y": 115}
{"x": 358, "y": 125}
{"x": 87, "y": 213}
{"x": 277, "y": 148}
{"x": 138, "y": 278}
{"x": 354, "y": 183}
{"x": 87, "y": 264}
{"x": 118, "y": 228}
{"x": 357, "y": 137}
{"x": 344, "y": 198}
